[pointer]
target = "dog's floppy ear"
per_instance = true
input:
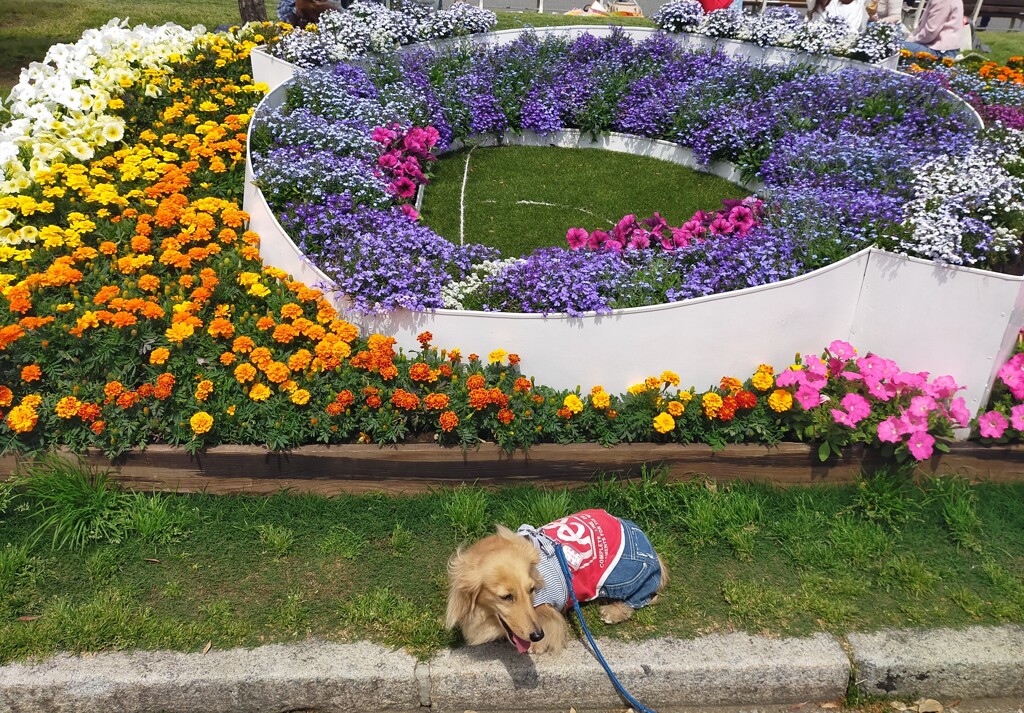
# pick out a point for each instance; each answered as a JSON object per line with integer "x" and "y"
{"x": 464, "y": 584}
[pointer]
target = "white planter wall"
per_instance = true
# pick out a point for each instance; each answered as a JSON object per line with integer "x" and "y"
{"x": 925, "y": 316}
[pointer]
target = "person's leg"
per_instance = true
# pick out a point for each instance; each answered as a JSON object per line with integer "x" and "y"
{"x": 915, "y": 47}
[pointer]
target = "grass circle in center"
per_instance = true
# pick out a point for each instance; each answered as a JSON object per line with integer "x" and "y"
{"x": 519, "y": 198}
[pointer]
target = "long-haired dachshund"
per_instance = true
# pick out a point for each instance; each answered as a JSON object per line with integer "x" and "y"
{"x": 510, "y": 585}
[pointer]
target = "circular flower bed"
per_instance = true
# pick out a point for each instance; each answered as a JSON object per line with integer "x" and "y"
{"x": 848, "y": 159}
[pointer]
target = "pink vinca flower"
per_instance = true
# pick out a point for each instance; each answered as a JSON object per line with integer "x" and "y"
{"x": 920, "y": 445}
{"x": 992, "y": 424}
{"x": 577, "y": 238}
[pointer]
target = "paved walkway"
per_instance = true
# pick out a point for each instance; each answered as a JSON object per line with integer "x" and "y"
{"x": 977, "y": 669}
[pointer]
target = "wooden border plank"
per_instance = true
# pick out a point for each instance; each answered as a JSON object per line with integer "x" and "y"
{"x": 355, "y": 468}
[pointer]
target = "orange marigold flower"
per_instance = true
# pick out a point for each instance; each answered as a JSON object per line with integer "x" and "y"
{"x": 242, "y": 345}
{"x": 745, "y": 399}
{"x": 436, "y": 401}
{"x": 448, "y": 421}
{"x": 506, "y": 416}
{"x": 334, "y": 409}
{"x": 6, "y": 396}
{"x": 98, "y": 426}
{"x": 106, "y": 293}
{"x": 730, "y": 384}
{"x": 112, "y": 390}
{"x": 260, "y": 356}
{"x": 30, "y": 373}
{"x": 388, "y": 372}
{"x": 476, "y": 381}
{"x": 285, "y": 333}
{"x": 675, "y": 409}
{"x": 276, "y": 371}
{"x": 145, "y": 391}
{"x": 291, "y": 311}
{"x": 201, "y": 422}
{"x": 264, "y": 323}
{"x": 67, "y": 407}
{"x": 141, "y": 244}
{"x": 424, "y": 339}
{"x": 108, "y": 248}
{"x": 245, "y": 373}
{"x": 513, "y": 359}
{"x": 444, "y": 370}
{"x": 220, "y": 327}
{"x": 405, "y": 400}
{"x": 521, "y": 384}
{"x": 89, "y": 411}
{"x": 421, "y": 371}
{"x": 127, "y": 399}
{"x": 159, "y": 355}
{"x": 728, "y": 410}
{"x": 374, "y": 401}
{"x": 479, "y": 399}
{"x": 563, "y": 412}
{"x": 300, "y": 360}
{"x": 227, "y": 358}
{"x": 164, "y": 386}
{"x": 203, "y": 389}
{"x": 344, "y": 398}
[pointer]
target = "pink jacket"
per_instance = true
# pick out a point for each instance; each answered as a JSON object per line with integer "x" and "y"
{"x": 941, "y": 26}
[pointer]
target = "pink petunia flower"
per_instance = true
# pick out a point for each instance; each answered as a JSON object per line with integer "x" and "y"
{"x": 992, "y": 424}
{"x": 639, "y": 240}
{"x": 842, "y": 350}
{"x": 1017, "y": 417}
{"x": 857, "y": 406}
{"x": 921, "y": 406}
{"x": 889, "y": 432}
{"x": 410, "y": 211}
{"x": 597, "y": 239}
{"x": 807, "y": 396}
{"x": 843, "y": 418}
{"x": 790, "y": 377}
{"x": 612, "y": 246}
{"x": 958, "y": 410}
{"x": 404, "y": 188}
{"x": 920, "y": 445}
{"x": 942, "y": 387}
{"x": 1012, "y": 374}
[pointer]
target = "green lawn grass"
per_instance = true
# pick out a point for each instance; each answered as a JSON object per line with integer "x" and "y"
{"x": 519, "y": 198}
{"x": 178, "y": 571}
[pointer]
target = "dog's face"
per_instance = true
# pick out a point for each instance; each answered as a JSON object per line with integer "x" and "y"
{"x": 491, "y": 589}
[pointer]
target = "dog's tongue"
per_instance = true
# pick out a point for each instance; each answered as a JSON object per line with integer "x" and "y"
{"x": 523, "y": 645}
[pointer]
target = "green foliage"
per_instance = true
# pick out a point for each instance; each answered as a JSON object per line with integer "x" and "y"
{"x": 888, "y": 497}
{"x": 466, "y": 510}
{"x": 957, "y": 503}
{"x": 278, "y": 539}
{"x": 78, "y": 505}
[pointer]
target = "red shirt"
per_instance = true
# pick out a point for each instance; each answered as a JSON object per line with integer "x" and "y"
{"x": 710, "y": 5}
{"x": 592, "y": 542}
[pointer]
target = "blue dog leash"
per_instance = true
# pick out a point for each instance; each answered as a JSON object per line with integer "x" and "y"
{"x": 637, "y": 705}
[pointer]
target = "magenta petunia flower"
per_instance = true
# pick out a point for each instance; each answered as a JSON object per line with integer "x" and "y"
{"x": 404, "y": 188}
{"x": 410, "y": 211}
{"x": 577, "y": 238}
{"x": 613, "y": 246}
{"x": 681, "y": 237}
{"x": 842, "y": 350}
{"x": 639, "y": 240}
{"x": 808, "y": 397}
{"x": 921, "y": 445}
{"x": 992, "y": 424}
{"x": 597, "y": 239}
{"x": 958, "y": 410}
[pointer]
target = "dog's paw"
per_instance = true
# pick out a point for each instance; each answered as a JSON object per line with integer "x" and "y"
{"x": 616, "y": 612}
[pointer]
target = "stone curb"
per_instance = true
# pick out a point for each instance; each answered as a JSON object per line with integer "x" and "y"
{"x": 979, "y": 662}
{"x": 730, "y": 670}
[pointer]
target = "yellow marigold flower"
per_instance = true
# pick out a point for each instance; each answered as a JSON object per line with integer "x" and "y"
{"x": 496, "y": 356}
{"x": 684, "y": 396}
{"x": 663, "y": 423}
{"x": 159, "y": 355}
{"x": 68, "y": 407}
{"x": 300, "y": 397}
{"x": 260, "y": 392}
{"x": 201, "y": 422}
{"x": 780, "y": 401}
{"x": 259, "y": 290}
{"x": 762, "y": 380}
{"x": 230, "y": 410}
{"x": 670, "y": 377}
{"x": 675, "y": 408}
{"x": 600, "y": 399}
{"x": 22, "y": 418}
{"x": 766, "y": 368}
{"x": 712, "y": 403}
{"x": 248, "y": 279}
{"x": 637, "y": 389}
{"x": 572, "y": 403}
{"x": 652, "y": 383}
{"x": 179, "y": 332}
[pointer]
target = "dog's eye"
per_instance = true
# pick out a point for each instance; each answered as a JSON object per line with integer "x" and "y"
{"x": 533, "y": 590}
{"x": 508, "y": 597}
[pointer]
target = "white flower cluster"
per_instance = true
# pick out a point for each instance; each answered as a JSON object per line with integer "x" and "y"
{"x": 783, "y": 27}
{"x": 58, "y": 108}
{"x": 962, "y": 208}
{"x": 455, "y": 294}
{"x": 368, "y": 27}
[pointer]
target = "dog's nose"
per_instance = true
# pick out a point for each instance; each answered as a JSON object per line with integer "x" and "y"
{"x": 536, "y": 636}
